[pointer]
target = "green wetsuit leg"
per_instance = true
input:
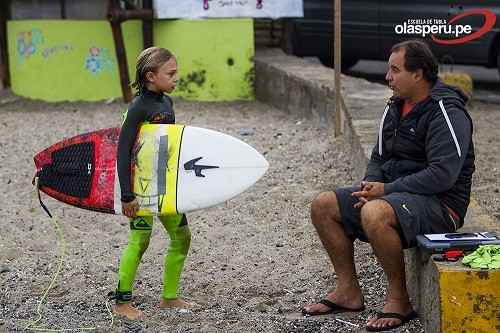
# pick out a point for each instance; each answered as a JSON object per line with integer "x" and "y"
{"x": 138, "y": 242}
{"x": 180, "y": 239}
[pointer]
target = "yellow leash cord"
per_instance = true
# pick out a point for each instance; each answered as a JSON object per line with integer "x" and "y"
{"x": 31, "y": 326}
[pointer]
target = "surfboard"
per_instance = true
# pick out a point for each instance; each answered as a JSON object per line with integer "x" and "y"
{"x": 175, "y": 169}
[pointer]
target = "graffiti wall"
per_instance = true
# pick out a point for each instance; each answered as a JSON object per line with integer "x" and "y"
{"x": 69, "y": 60}
{"x": 58, "y": 60}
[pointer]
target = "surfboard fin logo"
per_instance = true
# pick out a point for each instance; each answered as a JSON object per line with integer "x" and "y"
{"x": 191, "y": 165}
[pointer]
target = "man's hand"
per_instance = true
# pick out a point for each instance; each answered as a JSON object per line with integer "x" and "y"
{"x": 369, "y": 191}
{"x": 130, "y": 209}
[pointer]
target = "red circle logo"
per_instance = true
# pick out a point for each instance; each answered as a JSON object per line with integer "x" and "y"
{"x": 488, "y": 24}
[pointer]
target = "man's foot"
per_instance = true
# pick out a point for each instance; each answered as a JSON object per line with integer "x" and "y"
{"x": 178, "y": 303}
{"x": 393, "y": 315}
{"x": 385, "y": 321}
{"x": 332, "y": 309}
{"x": 336, "y": 302}
{"x": 126, "y": 310}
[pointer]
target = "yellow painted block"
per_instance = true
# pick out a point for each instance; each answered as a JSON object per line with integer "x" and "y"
{"x": 470, "y": 301}
{"x": 460, "y": 79}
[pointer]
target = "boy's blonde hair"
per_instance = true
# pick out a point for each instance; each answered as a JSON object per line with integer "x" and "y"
{"x": 150, "y": 60}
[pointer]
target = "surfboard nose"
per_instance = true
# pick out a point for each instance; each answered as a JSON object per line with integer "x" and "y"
{"x": 226, "y": 167}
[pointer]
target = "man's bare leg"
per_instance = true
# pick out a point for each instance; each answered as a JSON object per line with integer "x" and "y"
{"x": 177, "y": 303}
{"x": 381, "y": 227}
{"x": 126, "y": 310}
{"x": 325, "y": 217}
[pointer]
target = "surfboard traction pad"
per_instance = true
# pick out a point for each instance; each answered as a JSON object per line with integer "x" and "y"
{"x": 66, "y": 171}
{"x": 69, "y": 175}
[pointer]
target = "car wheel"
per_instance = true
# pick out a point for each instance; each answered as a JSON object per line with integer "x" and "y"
{"x": 345, "y": 63}
{"x": 328, "y": 62}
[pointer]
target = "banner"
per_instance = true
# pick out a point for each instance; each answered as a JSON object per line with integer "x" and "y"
{"x": 171, "y": 9}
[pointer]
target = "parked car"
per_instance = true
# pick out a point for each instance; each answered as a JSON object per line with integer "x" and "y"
{"x": 469, "y": 31}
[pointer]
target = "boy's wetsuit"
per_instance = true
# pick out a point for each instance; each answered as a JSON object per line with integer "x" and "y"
{"x": 153, "y": 108}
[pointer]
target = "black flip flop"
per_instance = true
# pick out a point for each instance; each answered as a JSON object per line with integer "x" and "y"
{"x": 334, "y": 308}
{"x": 404, "y": 319}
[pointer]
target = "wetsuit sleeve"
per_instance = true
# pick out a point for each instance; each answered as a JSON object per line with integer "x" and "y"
{"x": 128, "y": 135}
{"x": 447, "y": 142}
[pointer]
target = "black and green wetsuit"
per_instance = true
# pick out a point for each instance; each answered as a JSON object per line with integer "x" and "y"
{"x": 153, "y": 108}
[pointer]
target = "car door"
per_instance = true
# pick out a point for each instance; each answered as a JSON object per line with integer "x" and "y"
{"x": 360, "y": 29}
{"x": 312, "y": 35}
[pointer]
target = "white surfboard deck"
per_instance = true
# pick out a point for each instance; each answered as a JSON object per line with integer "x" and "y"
{"x": 212, "y": 168}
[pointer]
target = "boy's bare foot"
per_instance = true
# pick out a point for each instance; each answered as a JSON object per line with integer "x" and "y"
{"x": 178, "y": 303}
{"x": 127, "y": 310}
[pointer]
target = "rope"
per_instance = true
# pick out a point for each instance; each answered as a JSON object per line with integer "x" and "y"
{"x": 32, "y": 326}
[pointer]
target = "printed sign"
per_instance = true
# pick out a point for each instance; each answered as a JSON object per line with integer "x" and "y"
{"x": 169, "y": 9}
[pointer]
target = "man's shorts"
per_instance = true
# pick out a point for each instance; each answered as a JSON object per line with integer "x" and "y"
{"x": 417, "y": 215}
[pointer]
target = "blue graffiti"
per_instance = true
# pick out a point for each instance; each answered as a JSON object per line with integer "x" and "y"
{"x": 99, "y": 60}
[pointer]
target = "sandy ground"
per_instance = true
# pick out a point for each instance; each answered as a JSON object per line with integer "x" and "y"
{"x": 254, "y": 262}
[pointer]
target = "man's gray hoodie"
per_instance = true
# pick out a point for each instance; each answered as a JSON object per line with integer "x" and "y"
{"x": 429, "y": 151}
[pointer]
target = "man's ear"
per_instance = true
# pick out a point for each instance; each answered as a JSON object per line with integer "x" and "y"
{"x": 418, "y": 74}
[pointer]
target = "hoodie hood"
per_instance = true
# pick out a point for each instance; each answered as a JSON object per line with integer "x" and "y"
{"x": 441, "y": 91}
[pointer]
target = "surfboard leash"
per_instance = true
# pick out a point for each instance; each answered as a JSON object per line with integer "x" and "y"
{"x": 31, "y": 326}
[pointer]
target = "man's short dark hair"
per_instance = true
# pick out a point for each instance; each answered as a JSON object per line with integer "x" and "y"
{"x": 418, "y": 54}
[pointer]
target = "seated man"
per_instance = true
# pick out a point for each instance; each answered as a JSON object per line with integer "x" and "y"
{"x": 418, "y": 181}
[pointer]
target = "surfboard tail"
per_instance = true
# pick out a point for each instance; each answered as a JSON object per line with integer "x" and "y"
{"x": 76, "y": 170}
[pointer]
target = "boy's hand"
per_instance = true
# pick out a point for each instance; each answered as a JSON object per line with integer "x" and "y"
{"x": 130, "y": 209}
